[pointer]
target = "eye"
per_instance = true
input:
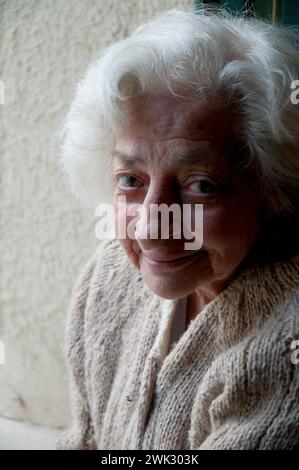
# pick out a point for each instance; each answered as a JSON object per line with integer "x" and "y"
{"x": 203, "y": 186}
{"x": 129, "y": 181}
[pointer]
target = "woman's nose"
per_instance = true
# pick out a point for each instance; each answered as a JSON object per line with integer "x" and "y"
{"x": 154, "y": 222}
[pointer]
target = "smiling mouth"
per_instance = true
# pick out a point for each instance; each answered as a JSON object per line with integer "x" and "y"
{"x": 172, "y": 263}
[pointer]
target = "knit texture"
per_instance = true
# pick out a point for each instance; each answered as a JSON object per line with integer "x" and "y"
{"x": 227, "y": 383}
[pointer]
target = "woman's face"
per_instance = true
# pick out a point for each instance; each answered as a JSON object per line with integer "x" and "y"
{"x": 180, "y": 153}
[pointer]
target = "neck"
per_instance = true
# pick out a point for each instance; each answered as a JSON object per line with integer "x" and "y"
{"x": 202, "y": 296}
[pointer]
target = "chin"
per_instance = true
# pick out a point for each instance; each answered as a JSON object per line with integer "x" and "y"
{"x": 167, "y": 288}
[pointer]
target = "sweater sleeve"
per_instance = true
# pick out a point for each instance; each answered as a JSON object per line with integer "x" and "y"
{"x": 80, "y": 434}
{"x": 249, "y": 399}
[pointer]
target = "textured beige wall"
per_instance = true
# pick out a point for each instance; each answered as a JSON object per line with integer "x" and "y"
{"x": 46, "y": 237}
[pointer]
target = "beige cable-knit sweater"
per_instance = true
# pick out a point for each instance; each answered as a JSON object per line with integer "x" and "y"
{"x": 228, "y": 383}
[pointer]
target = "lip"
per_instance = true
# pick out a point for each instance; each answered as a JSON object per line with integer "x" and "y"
{"x": 170, "y": 264}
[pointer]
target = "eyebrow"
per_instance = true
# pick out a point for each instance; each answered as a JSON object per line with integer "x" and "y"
{"x": 190, "y": 158}
{"x": 128, "y": 159}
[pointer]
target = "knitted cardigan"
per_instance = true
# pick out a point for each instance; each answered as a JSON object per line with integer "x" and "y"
{"x": 228, "y": 382}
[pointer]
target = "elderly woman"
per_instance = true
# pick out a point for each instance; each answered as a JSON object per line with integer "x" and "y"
{"x": 170, "y": 348}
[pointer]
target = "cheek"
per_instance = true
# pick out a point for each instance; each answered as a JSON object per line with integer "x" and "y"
{"x": 123, "y": 222}
{"x": 131, "y": 254}
{"x": 229, "y": 226}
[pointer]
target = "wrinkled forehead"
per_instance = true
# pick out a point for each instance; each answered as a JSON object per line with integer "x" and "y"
{"x": 163, "y": 118}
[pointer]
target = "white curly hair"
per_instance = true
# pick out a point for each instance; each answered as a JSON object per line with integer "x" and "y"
{"x": 246, "y": 62}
